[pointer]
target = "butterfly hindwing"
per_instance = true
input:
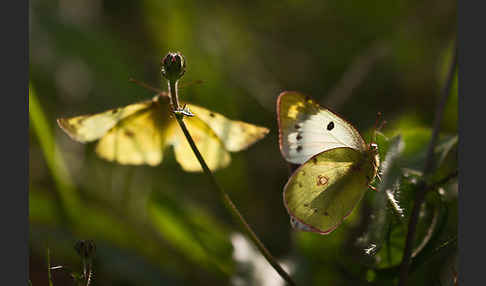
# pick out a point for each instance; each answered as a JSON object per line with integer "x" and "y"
{"x": 235, "y": 135}
{"x": 207, "y": 142}
{"x": 306, "y": 128}
{"x": 322, "y": 192}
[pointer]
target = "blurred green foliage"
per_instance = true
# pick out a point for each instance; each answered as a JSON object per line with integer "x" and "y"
{"x": 163, "y": 226}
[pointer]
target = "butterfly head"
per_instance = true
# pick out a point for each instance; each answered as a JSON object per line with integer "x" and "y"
{"x": 373, "y": 151}
{"x": 374, "y": 147}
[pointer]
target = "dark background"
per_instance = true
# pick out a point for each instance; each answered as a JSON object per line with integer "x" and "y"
{"x": 156, "y": 225}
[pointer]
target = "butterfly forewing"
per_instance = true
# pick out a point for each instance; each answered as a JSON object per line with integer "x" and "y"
{"x": 137, "y": 139}
{"x": 235, "y": 135}
{"x": 86, "y": 128}
{"x": 306, "y": 129}
{"x": 324, "y": 190}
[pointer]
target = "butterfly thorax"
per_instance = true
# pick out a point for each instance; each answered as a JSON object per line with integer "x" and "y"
{"x": 372, "y": 158}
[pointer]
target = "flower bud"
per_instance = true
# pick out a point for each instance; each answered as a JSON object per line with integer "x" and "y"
{"x": 85, "y": 248}
{"x": 173, "y": 66}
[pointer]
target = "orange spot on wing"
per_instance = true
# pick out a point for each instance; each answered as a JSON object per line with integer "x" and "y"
{"x": 322, "y": 180}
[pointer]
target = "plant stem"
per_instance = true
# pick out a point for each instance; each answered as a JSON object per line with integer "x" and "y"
{"x": 226, "y": 199}
{"x": 49, "y": 277}
{"x": 421, "y": 190}
{"x": 443, "y": 181}
{"x": 174, "y": 96}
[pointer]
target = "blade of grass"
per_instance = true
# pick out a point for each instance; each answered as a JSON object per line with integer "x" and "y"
{"x": 52, "y": 155}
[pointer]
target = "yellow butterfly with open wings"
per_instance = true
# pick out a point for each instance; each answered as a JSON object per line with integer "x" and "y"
{"x": 139, "y": 133}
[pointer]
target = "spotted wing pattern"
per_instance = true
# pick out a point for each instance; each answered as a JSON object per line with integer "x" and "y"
{"x": 322, "y": 192}
{"x": 306, "y": 129}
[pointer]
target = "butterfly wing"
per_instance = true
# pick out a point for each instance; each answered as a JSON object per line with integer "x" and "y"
{"x": 209, "y": 144}
{"x": 235, "y": 135}
{"x": 306, "y": 128}
{"x": 90, "y": 127}
{"x": 322, "y": 192}
{"x": 139, "y": 138}
{"x": 138, "y": 133}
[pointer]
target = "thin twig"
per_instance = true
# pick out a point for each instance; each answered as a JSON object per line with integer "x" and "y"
{"x": 226, "y": 199}
{"x": 356, "y": 73}
{"x": 443, "y": 181}
{"x": 420, "y": 194}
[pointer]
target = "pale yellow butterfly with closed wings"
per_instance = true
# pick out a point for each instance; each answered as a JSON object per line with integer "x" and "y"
{"x": 337, "y": 166}
{"x": 139, "y": 133}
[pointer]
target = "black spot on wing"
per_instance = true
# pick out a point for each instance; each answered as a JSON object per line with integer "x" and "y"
{"x": 129, "y": 133}
{"x": 330, "y": 126}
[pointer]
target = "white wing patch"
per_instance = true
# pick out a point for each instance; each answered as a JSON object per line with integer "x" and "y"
{"x": 307, "y": 129}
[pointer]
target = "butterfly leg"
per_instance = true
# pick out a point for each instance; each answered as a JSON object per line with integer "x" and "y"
{"x": 184, "y": 111}
{"x": 379, "y": 177}
{"x": 370, "y": 186}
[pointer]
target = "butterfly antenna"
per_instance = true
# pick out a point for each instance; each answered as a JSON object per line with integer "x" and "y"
{"x": 191, "y": 83}
{"x": 383, "y": 123}
{"x": 375, "y": 127}
{"x": 162, "y": 92}
{"x": 379, "y": 124}
{"x": 144, "y": 85}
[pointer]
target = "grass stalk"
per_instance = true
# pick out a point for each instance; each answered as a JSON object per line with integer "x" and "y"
{"x": 225, "y": 197}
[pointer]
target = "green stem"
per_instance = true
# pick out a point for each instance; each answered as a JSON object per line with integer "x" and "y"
{"x": 174, "y": 96}
{"x": 49, "y": 267}
{"x": 443, "y": 181}
{"x": 226, "y": 199}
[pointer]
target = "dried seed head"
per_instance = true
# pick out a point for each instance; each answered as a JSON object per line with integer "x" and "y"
{"x": 85, "y": 248}
{"x": 173, "y": 66}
